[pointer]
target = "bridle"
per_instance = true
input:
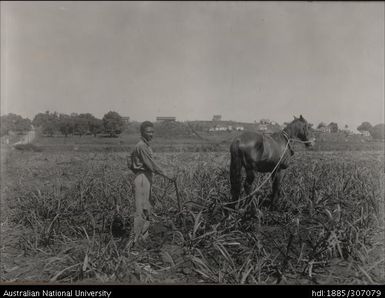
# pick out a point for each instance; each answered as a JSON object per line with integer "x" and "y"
{"x": 284, "y": 133}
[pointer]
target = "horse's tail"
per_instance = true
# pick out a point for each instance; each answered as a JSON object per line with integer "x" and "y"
{"x": 235, "y": 171}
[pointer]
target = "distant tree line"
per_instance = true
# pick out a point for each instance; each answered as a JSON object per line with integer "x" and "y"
{"x": 112, "y": 124}
{"x": 376, "y": 132}
{"x": 79, "y": 124}
{"x": 14, "y": 123}
{"x": 332, "y": 125}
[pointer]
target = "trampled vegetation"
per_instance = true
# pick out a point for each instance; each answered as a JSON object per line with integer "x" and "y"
{"x": 328, "y": 227}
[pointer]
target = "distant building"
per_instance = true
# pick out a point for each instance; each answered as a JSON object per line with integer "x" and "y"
{"x": 265, "y": 121}
{"x": 333, "y": 127}
{"x": 217, "y": 118}
{"x": 126, "y": 120}
{"x": 239, "y": 128}
{"x": 221, "y": 128}
{"x": 325, "y": 129}
{"x": 164, "y": 119}
{"x": 365, "y": 133}
{"x": 262, "y": 127}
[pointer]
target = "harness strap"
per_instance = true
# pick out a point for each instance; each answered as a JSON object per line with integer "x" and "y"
{"x": 284, "y": 133}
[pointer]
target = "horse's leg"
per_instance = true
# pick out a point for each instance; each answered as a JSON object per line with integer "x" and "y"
{"x": 235, "y": 174}
{"x": 249, "y": 180}
{"x": 277, "y": 177}
{"x": 250, "y": 175}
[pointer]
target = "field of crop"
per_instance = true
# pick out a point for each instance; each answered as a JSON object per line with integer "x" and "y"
{"x": 62, "y": 224}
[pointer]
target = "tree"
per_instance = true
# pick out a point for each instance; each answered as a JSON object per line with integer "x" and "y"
{"x": 113, "y": 123}
{"x": 80, "y": 124}
{"x": 88, "y": 123}
{"x": 92, "y": 123}
{"x": 48, "y": 122}
{"x": 321, "y": 125}
{"x": 23, "y": 125}
{"x": 65, "y": 124}
{"x": 378, "y": 131}
{"x": 365, "y": 126}
{"x": 96, "y": 126}
{"x": 15, "y": 123}
{"x": 40, "y": 119}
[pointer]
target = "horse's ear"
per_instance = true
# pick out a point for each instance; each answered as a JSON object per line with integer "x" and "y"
{"x": 300, "y": 117}
{"x": 295, "y": 118}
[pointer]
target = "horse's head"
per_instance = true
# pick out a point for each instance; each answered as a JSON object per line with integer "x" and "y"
{"x": 301, "y": 129}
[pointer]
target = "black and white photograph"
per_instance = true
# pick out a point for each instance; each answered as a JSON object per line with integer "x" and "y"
{"x": 192, "y": 143}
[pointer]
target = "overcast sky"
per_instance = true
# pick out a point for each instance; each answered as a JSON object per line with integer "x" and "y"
{"x": 243, "y": 60}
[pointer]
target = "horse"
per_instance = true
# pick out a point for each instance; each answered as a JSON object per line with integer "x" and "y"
{"x": 258, "y": 152}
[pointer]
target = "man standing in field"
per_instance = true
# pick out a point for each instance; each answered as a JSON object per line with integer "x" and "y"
{"x": 143, "y": 166}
